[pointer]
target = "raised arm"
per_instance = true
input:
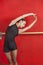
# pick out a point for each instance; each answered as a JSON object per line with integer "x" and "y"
{"x": 17, "y": 19}
{"x": 28, "y": 27}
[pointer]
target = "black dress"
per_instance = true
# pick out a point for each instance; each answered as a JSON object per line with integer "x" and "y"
{"x": 9, "y": 42}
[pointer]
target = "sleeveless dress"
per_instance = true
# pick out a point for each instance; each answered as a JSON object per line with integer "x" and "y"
{"x": 9, "y": 41}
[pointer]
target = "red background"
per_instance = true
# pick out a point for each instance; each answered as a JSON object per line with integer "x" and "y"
{"x": 30, "y": 47}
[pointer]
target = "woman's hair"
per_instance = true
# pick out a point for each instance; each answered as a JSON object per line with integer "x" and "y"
{"x": 21, "y": 19}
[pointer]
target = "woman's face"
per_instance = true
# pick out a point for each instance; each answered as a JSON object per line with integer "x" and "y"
{"x": 22, "y": 23}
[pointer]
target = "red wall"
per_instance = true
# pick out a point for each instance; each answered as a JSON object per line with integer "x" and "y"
{"x": 30, "y": 47}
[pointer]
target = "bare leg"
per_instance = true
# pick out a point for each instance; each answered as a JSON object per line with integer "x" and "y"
{"x": 9, "y": 58}
{"x": 14, "y": 53}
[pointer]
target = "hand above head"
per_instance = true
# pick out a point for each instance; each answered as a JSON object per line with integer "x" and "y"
{"x": 23, "y": 16}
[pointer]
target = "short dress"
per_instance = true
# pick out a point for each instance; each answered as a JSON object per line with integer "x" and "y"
{"x": 9, "y": 41}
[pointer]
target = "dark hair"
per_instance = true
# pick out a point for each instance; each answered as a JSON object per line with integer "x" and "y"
{"x": 21, "y": 19}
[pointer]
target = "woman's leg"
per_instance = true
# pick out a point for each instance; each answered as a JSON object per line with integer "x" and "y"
{"x": 9, "y": 58}
{"x": 14, "y": 54}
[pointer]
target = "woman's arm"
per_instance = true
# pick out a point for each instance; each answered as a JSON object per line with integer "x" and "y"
{"x": 17, "y": 19}
{"x": 28, "y": 27}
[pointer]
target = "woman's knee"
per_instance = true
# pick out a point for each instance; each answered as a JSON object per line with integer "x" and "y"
{"x": 9, "y": 60}
{"x": 9, "y": 57}
{"x": 14, "y": 56}
{"x": 14, "y": 59}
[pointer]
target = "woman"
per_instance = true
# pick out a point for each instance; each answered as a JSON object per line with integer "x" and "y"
{"x": 11, "y": 32}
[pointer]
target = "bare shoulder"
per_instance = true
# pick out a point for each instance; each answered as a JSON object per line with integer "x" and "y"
{"x": 12, "y": 22}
